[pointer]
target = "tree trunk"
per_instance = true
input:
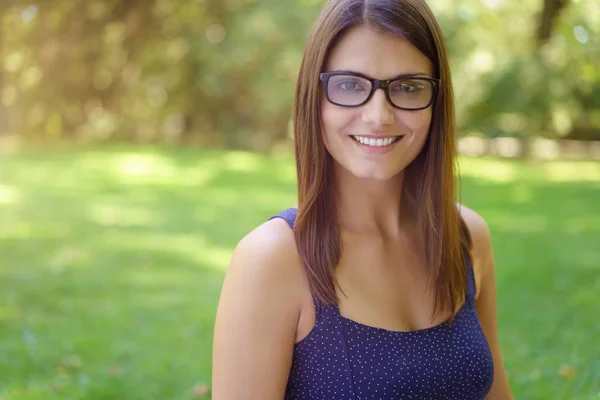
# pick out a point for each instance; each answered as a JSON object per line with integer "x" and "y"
{"x": 548, "y": 17}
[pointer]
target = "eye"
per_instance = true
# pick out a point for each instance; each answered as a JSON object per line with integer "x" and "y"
{"x": 350, "y": 86}
{"x": 408, "y": 86}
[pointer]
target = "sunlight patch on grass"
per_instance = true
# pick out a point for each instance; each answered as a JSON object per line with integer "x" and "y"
{"x": 129, "y": 167}
{"x": 507, "y": 222}
{"x": 199, "y": 249}
{"x": 202, "y": 251}
{"x": 143, "y": 168}
{"x": 151, "y": 240}
{"x": 193, "y": 248}
{"x": 222, "y": 196}
{"x": 144, "y": 164}
{"x": 564, "y": 171}
{"x": 195, "y": 177}
{"x": 274, "y": 199}
{"x": 287, "y": 173}
{"x": 215, "y": 257}
{"x": 9, "y": 195}
{"x": 93, "y": 160}
{"x": 492, "y": 170}
{"x": 282, "y": 167}
{"x": 241, "y": 161}
{"x": 156, "y": 278}
{"x": 113, "y": 215}
{"x": 553, "y": 171}
{"x": 23, "y": 229}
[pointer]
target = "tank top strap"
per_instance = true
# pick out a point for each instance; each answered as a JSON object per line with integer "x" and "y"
{"x": 288, "y": 215}
{"x": 471, "y": 290}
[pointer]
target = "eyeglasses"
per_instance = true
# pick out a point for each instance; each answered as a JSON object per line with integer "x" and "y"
{"x": 350, "y": 89}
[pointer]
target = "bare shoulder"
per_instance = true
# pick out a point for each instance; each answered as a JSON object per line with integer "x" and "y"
{"x": 481, "y": 251}
{"x": 272, "y": 238}
{"x": 477, "y": 225}
{"x": 257, "y": 315}
{"x": 266, "y": 259}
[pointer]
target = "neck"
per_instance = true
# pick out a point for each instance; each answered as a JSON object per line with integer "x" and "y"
{"x": 371, "y": 207}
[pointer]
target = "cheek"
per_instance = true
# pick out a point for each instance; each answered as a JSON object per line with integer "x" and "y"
{"x": 418, "y": 121}
{"x": 333, "y": 120}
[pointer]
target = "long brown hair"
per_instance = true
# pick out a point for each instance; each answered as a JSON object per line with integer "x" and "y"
{"x": 429, "y": 178}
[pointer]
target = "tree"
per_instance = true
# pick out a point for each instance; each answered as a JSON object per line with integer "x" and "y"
{"x": 547, "y": 21}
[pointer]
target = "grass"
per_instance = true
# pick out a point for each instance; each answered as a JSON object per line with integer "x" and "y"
{"x": 112, "y": 261}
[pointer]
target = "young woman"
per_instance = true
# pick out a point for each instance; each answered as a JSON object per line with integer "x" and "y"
{"x": 377, "y": 285}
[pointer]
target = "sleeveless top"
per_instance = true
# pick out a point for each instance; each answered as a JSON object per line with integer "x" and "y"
{"x": 342, "y": 359}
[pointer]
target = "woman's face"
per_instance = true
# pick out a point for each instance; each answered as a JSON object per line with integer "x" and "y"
{"x": 380, "y": 56}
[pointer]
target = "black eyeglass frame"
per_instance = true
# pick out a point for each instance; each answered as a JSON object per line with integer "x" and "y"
{"x": 379, "y": 84}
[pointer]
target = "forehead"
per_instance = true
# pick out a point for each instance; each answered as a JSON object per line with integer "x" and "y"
{"x": 376, "y": 54}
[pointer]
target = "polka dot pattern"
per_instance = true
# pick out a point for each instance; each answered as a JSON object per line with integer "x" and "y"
{"x": 343, "y": 359}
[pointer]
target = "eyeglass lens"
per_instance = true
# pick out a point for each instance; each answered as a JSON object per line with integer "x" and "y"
{"x": 409, "y": 93}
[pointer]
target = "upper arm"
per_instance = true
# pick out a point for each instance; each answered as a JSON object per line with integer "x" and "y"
{"x": 486, "y": 303}
{"x": 257, "y": 317}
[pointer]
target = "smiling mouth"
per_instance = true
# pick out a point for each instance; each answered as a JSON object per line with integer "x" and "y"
{"x": 376, "y": 142}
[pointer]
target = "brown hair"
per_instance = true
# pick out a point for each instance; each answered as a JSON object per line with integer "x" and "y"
{"x": 429, "y": 178}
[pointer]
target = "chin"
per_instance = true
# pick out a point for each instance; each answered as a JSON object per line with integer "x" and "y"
{"x": 375, "y": 175}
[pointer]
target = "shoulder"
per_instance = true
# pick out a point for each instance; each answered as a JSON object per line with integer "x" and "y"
{"x": 263, "y": 284}
{"x": 265, "y": 277}
{"x": 266, "y": 258}
{"x": 481, "y": 249}
{"x": 272, "y": 237}
{"x": 257, "y": 316}
{"x": 478, "y": 227}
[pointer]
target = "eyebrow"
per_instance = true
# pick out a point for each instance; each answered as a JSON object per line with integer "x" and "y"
{"x": 400, "y": 76}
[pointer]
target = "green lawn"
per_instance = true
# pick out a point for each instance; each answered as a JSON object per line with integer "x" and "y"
{"x": 112, "y": 261}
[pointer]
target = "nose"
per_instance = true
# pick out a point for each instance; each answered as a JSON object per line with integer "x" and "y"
{"x": 378, "y": 111}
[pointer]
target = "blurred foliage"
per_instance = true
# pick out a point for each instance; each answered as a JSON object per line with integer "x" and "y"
{"x": 222, "y": 72}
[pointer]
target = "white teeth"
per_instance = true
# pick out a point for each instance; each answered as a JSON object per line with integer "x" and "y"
{"x": 375, "y": 142}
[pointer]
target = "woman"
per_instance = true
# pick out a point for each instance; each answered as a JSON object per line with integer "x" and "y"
{"x": 384, "y": 287}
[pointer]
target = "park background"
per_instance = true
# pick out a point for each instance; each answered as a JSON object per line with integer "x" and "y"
{"x": 140, "y": 140}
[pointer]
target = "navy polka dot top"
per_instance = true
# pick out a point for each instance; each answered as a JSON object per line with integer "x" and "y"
{"x": 343, "y": 359}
